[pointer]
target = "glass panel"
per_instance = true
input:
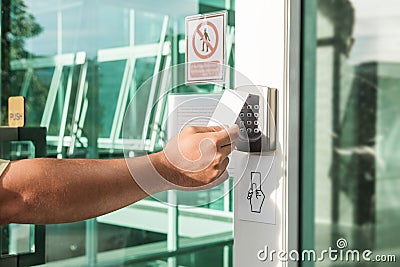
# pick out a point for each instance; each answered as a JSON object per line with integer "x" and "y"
{"x": 122, "y": 43}
{"x": 17, "y": 239}
{"x": 357, "y": 125}
{"x": 35, "y": 89}
{"x": 143, "y": 71}
{"x": 67, "y": 89}
{"x": 21, "y": 150}
{"x": 68, "y": 241}
{"x": 147, "y": 27}
{"x": 196, "y": 259}
{"x": 110, "y": 79}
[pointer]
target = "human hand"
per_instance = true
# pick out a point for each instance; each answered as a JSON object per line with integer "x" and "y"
{"x": 256, "y": 197}
{"x": 197, "y": 156}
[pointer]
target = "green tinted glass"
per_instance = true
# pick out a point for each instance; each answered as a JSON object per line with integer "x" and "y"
{"x": 353, "y": 97}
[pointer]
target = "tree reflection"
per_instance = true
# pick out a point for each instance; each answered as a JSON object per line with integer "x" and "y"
{"x": 17, "y": 26}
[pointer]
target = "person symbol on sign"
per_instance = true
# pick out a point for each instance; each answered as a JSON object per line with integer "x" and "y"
{"x": 205, "y": 38}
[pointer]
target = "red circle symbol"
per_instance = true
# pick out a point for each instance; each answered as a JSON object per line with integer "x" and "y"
{"x": 210, "y": 47}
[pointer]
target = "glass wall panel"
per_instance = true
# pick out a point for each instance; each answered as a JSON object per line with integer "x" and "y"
{"x": 110, "y": 81}
{"x": 36, "y": 84}
{"x": 357, "y": 124}
{"x": 17, "y": 239}
{"x": 79, "y": 63}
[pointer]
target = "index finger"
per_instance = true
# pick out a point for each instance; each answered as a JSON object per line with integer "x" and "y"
{"x": 204, "y": 129}
{"x": 228, "y": 136}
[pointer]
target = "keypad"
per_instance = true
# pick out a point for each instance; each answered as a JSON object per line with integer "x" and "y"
{"x": 248, "y": 119}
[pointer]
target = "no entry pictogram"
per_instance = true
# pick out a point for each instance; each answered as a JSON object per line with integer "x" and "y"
{"x": 206, "y": 41}
{"x": 205, "y": 47}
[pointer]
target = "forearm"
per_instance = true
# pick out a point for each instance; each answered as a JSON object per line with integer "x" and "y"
{"x": 58, "y": 191}
{"x": 44, "y": 191}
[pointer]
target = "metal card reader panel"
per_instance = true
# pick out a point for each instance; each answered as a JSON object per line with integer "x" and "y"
{"x": 257, "y": 120}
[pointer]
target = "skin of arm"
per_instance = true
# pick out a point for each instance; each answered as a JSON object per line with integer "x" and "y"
{"x": 48, "y": 191}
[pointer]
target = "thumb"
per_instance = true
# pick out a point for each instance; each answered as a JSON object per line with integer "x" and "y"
{"x": 254, "y": 187}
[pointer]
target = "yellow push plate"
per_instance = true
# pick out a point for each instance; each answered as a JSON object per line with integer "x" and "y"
{"x": 16, "y": 111}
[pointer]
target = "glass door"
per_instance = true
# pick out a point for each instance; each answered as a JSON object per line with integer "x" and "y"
{"x": 79, "y": 63}
{"x": 350, "y": 155}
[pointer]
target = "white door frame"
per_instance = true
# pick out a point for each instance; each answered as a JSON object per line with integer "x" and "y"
{"x": 267, "y": 51}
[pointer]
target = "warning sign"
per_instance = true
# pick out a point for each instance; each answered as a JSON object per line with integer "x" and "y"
{"x": 205, "y": 47}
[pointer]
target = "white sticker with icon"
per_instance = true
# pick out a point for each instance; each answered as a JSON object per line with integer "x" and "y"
{"x": 256, "y": 184}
